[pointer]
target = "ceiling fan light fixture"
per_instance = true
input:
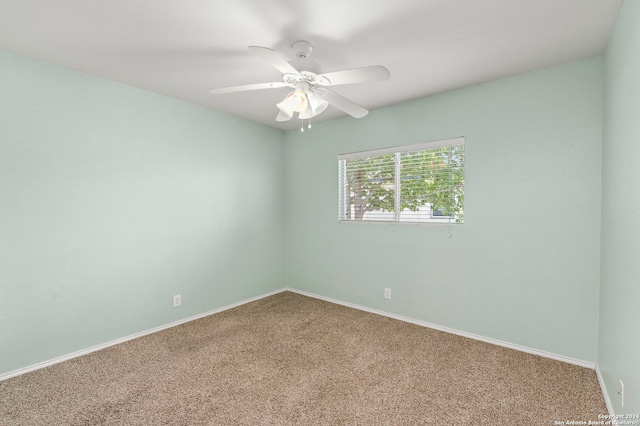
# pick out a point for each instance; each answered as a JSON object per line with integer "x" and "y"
{"x": 318, "y": 103}
{"x": 283, "y": 116}
{"x": 307, "y": 113}
{"x": 286, "y": 106}
{"x": 295, "y": 101}
{"x": 316, "y": 106}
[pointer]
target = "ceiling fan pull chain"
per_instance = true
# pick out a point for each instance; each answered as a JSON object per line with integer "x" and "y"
{"x": 302, "y": 125}
{"x": 309, "y": 126}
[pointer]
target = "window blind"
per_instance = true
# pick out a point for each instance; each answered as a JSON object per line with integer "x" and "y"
{"x": 414, "y": 183}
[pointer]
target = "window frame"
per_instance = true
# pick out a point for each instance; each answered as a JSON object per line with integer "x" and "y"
{"x": 397, "y": 151}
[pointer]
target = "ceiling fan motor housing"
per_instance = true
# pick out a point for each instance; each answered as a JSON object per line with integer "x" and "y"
{"x": 311, "y": 78}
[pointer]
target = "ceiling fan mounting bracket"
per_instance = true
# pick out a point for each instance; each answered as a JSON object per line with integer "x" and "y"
{"x": 302, "y": 49}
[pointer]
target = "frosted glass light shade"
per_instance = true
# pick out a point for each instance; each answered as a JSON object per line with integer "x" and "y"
{"x": 295, "y": 101}
{"x": 316, "y": 105}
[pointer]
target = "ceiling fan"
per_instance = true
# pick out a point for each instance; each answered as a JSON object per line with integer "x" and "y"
{"x": 311, "y": 94}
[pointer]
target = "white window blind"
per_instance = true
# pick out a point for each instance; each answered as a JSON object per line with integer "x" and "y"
{"x": 415, "y": 183}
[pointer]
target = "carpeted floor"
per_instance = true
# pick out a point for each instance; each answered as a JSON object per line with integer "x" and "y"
{"x": 290, "y": 359}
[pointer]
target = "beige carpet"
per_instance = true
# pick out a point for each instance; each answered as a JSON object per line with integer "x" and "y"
{"x": 290, "y": 359}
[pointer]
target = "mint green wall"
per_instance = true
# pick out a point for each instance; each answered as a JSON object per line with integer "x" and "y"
{"x": 619, "y": 346}
{"x": 112, "y": 199}
{"x": 524, "y": 268}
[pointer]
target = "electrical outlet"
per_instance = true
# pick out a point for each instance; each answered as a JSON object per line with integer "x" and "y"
{"x": 621, "y": 393}
{"x": 177, "y": 300}
{"x": 387, "y": 293}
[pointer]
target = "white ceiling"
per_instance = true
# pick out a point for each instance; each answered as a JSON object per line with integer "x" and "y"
{"x": 183, "y": 49}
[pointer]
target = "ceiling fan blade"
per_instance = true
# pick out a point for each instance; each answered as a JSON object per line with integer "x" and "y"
{"x": 343, "y": 104}
{"x": 244, "y": 88}
{"x": 357, "y": 75}
{"x": 274, "y": 59}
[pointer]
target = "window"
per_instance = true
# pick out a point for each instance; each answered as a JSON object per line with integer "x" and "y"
{"x": 416, "y": 183}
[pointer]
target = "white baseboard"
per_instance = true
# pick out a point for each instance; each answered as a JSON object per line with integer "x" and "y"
{"x": 95, "y": 348}
{"x": 497, "y": 342}
{"x": 605, "y": 393}
{"x": 327, "y": 299}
